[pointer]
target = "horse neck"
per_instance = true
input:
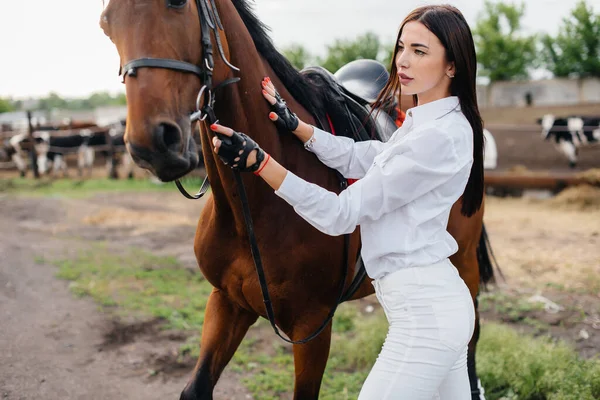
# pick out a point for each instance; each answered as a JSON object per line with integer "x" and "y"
{"x": 241, "y": 107}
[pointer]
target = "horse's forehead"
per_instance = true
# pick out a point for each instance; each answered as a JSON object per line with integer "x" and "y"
{"x": 141, "y": 15}
{"x": 117, "y": 9}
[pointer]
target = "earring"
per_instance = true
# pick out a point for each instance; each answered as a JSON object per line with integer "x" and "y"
{"x": 450, "y": 76}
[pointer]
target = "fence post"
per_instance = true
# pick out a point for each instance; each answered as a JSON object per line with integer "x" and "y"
{"x": 113, "y": 174}
{"x": 32, "y": 152}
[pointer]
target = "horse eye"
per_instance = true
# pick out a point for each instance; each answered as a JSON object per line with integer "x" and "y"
{"x": 176, "y": 3}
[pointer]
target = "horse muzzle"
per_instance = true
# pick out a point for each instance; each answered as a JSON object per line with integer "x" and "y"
{"x": 172, "y": 155}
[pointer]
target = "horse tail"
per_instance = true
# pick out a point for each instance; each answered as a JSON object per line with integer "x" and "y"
{"x": 485, "y": 256}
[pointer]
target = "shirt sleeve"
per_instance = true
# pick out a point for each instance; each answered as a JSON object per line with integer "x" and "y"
{"x": 352, "y": 159}
{"x": 414, "y": 168}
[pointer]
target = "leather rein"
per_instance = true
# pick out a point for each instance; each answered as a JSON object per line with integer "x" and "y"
{"x": 210, "y": 20}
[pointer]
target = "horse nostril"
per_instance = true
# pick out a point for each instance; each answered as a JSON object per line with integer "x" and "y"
{"x": 168, "y": 136}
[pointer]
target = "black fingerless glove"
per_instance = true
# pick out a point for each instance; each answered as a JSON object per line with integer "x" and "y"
{"x": 286, "y": 119}
{"x": 234, "y": 151}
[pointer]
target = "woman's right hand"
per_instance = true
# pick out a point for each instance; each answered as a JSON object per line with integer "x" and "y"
{"x": 283, "y": 117}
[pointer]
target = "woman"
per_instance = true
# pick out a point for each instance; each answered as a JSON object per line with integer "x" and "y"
{"x": 401, "y": 202}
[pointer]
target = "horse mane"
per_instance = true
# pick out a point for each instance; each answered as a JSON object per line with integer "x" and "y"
{"x": 309, "y": 94}
{"x": 309, "y": 88}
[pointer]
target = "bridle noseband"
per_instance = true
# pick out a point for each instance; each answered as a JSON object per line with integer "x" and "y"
{"x": 209, "y": 20}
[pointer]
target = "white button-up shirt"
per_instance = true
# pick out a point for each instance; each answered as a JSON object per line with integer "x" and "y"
{"x": 405, "y": 190}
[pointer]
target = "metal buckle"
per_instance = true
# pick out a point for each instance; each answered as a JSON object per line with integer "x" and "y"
{"x": 198, "y": 114}
{"x": 207, "y": 65}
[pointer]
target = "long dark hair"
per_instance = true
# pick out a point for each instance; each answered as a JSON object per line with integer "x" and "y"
{"x": 448, "y": 24}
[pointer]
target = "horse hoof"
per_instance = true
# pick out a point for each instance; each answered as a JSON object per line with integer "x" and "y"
{"x": 187, "y": 396}
{"x": 189, "y": 393}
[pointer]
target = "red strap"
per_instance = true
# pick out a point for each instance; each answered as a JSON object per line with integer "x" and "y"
{"x": 401, "y": 117}
{"x": 331, "y": 125}
{"x": 257, "y": 173}
{"x": 350, "y": 181}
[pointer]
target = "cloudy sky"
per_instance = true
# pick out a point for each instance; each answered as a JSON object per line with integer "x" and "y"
{"x": 57, "y": 45}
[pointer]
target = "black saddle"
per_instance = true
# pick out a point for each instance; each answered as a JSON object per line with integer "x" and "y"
{"x": 348, "y": 98}
{"x": 364, "y": 79}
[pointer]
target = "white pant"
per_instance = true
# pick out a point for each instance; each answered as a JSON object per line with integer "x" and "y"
{"x": 432, "y": 318}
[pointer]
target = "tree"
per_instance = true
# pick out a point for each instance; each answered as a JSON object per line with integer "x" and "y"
{"x": 52, "y": 101}
{"x": 502, "y": 52}
{"x": 17, "y": 104}
{"x": 6, "y": 105}
{"x": 575, "y": 51}
{"x": 106, "y": 99}
{"x": 298, "y": 56}
{"x": 341, "y": 52}
{"x": 98, "y": 99}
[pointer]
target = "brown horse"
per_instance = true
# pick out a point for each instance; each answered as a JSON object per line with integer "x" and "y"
{"x": 302, "y": 265}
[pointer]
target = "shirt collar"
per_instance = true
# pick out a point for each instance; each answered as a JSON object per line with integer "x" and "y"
{"x": 433, "y": 110}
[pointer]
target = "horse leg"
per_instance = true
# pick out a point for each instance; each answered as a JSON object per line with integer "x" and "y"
{"x": 310, "y": 360}
{"x": 225, "y": 325}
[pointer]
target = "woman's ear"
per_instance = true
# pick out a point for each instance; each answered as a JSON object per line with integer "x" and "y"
{"x": 451, "y": 70}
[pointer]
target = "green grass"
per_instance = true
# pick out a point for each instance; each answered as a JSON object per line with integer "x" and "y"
{"x": 356, "y": 343}
{"x": 139, "y": 283}
{"x": 75, "y": 188}
{"x": 516, "y": 366}
{"x": 512, "y": 365}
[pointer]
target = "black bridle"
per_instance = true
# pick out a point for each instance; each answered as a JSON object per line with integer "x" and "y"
{"x": 209, "y": 20}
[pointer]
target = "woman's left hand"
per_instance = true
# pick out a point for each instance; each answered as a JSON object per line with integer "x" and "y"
{"x": 237, "y": 150}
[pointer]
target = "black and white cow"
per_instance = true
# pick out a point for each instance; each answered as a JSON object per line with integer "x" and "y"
{"x": 571, "y": 133}
{"x": 51, "y": 151}
{"x": 13, "y": 148}
{"x": 51, "y": 147}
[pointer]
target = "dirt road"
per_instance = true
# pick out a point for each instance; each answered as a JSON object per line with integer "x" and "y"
{"x": 58, "y": 347}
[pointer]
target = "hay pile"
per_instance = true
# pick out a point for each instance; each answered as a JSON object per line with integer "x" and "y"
{"x": 519, "y": 170}
{"x": 578, "y": 198}
{"x": 592, "y": 176}
{"x": 119, "y": 217}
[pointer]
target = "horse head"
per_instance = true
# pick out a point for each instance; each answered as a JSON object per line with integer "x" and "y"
{"x": 165, "y": 47}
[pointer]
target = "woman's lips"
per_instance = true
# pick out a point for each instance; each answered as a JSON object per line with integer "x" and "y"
{"x": 404, "y": 79}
